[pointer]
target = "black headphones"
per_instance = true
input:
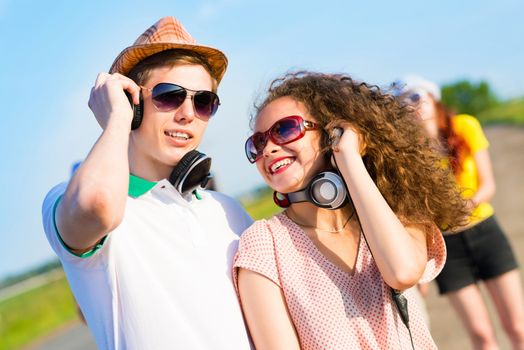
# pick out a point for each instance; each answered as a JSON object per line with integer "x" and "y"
{"x": 137, "y": 111}
{"x": 191, "y": 172}
{"x": 325, "y": 190}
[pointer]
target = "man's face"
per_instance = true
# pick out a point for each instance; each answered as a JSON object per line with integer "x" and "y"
{"x": 164, "y": 138}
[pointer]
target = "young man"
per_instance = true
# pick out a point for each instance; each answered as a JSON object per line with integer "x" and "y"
{"x": 149, "y": 259}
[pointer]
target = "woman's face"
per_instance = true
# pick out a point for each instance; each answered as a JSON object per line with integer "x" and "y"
{"x": 290, "y": 167}
{"x": 426, "y": 111}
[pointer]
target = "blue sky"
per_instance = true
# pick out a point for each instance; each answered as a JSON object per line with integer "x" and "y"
{"x": 53, "y": 50}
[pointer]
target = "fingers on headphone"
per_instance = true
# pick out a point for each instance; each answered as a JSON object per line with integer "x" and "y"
{"x": 335, "y": 135}
{"x": 334, "y": 130}
{"x": 132, "y": 88}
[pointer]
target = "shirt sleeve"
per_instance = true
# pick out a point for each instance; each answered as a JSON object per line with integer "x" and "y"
{"x": 470, "y": 129}
{"x": 53, "y": 236}
{"x": 243, "y": 219}
{"x": 436, "y": 256}
{"x": 239, "y": 220}
{"x": 256, "y": 252}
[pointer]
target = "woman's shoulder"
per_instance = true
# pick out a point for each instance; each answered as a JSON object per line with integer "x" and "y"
{"x": 469, "y": 128}
{"x": 465, "y": 122}
{"x": 263, "y": 227}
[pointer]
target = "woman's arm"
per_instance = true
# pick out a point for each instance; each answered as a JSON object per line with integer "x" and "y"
{"x": 400, "y": 252}
{"x": 266, "y": 313}
{"x": 486, "y": 180}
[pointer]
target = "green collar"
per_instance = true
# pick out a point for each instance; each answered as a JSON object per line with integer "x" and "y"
{"x": 139, "y": 186}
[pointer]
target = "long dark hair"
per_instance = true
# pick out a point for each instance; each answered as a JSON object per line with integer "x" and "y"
{"x": 454, "y": 145}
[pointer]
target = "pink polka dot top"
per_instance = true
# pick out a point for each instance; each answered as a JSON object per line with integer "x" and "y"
{"x": 331, "y": 308}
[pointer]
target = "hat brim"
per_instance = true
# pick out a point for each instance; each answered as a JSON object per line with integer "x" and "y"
{"x": 130, "y": 57}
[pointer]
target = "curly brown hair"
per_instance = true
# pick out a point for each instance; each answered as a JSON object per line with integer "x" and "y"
{"x": 406, "y": 169}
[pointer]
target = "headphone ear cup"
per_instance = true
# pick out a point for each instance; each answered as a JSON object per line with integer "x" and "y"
{"x": 281, "y": 199}
{"x": 137, "y": 112}
{"x": 191, "y": 171}
{"x": 327, "y": 190}
{"x": 182, "y": 167}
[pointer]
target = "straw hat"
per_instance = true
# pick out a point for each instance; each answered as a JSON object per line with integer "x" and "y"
{"x": 168, "y": 33}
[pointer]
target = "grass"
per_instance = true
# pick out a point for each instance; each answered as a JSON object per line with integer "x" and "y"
{"x": 35, "y": 313}
{"x": 509, "y": 112}
{"x": 262, "y": 206}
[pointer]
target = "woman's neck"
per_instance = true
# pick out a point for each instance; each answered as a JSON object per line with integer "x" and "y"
{"x": 327, "y": 220}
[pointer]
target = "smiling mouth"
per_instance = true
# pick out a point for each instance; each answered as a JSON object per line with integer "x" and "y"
{"x": 279, "y": 165}
{"x": 177, "y": 135}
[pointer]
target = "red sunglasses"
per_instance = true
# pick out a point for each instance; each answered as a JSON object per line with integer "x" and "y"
{"x": 284, "y": 131}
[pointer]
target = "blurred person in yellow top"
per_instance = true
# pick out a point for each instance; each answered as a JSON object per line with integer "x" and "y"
{"x": 481, "y": 251}
{"x": 478, "y": 184}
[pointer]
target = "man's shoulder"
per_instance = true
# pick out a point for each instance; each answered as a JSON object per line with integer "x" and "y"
{"x": 220, "y": 197}
{"x": 233, "y": 210}
{"x": 227, "y": 203}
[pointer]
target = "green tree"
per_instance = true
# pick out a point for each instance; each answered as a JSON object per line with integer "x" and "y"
{"x": 466, "y": 97}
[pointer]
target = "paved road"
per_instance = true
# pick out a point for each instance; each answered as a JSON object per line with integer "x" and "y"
{"x": 75, "y": 336}
{"x": 507, "y": 152}
{"x": 31, "y": 283}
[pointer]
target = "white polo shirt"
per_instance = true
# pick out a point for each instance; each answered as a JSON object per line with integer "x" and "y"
{"x": 162, "y": 278}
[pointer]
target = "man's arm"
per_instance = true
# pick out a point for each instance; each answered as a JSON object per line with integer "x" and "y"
{"x": 94, "y": 201}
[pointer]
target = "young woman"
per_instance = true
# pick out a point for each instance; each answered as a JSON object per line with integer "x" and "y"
{"x": 324, "y": 278}
{"x": 481, "y": 250}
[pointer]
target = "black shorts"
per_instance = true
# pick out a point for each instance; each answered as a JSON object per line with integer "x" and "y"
{"x": 478, "y": 253}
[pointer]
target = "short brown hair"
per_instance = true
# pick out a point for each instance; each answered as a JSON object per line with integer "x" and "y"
{"x": 168, "y": 58}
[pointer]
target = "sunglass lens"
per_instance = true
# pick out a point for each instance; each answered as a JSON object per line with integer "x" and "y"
{"x": 415, "y": 98}
{"x": 206, "y": 103}
{"x": 412, "y": 98}
{"x": 286, "y": 130}
{"x": 167, "y": 97}
{"x": 251, "y": 151}
{"x": 255, "y": 145}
